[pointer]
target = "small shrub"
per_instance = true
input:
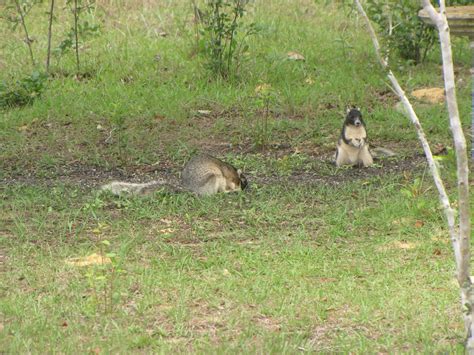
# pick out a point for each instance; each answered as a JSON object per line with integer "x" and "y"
{"x": 459, "y": 2}
{"x": 223, "y": 35}
{"x": 265, "y": 97}
{"x": 78, "y": 30}
{"x": 15, "y": 13}
{"x": 85, "y": 30}
{"x": 401, "y": 28}
{"x": 22, "y": 92}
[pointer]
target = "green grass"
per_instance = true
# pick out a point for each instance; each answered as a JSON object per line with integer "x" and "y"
{"x": 272, "y": 270}
{"x": 312, "y": 258}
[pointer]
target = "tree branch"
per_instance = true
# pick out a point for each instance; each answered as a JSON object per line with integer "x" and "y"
{"x": 76, "y": 35}
{"x": 434, "y": 15}
{"x": 28, "y": 40}
{"x": 48, "y": 55}
{"x": 373, "y": 36}
{"x": 460, "y": 238}
{"x": 444, "y": 199}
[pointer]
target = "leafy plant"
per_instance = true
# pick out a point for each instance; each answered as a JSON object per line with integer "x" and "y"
{"x": 102, "y": 276}
{"x": 122, "y": 137}
{"x": 458, "y": 2}
{"x": 22, "y": 92}
{"x": 119, "y": 135}
{"x": 223, "y": 35}
{"x": 85, "y": 30}
{"x": 265, "y": 97}
{"x": 402, "y": 29}
{"x": 79, "y": 29}
{"x": 50, "y": 34}
{"x": 16, "y": 14}
{"x": 447, "y": 162}
{"x": 414, "y": 189}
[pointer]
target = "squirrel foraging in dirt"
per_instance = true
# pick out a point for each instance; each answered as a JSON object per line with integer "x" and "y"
{"x": 203, "y": 175}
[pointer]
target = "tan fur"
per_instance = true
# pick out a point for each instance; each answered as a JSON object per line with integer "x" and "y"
{"x": 202, "y": 175}
{"x": 357, "y": 151}
{"x": 357, "y": 135}
{"x": 206, "y": 175}
{"x": 349, "y": 155}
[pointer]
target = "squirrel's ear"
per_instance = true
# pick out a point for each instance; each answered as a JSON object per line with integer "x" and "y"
{"x": 348, "y": 110}
{"x": 358, "y": 108}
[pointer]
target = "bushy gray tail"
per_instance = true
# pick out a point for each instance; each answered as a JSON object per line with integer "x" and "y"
{"x": 380, "y": 152}
{"x": 121, "y": 188}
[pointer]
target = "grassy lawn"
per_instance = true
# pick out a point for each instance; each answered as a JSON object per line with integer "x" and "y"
{"x": 311, "y": 259}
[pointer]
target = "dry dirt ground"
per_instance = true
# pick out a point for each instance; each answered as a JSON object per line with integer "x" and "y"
{"x": 323, "y": 171}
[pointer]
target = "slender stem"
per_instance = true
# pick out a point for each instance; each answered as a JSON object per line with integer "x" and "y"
{"x": 265, "y": 133}
{"x": 444, "y": 199}
{"x": 219, "y": 35}
{"x": 27, "y": 37}
{"x": 76, "y": 18}
{"x": 48, "y": 56}
{"x": 459, "y": 140}
{"x": 197, "y": 19}
{"x": 462, "y": 241}
{"x": 460, "y": 235}
{"x": 233, "y": 28}
{"x": 472, "y": 99}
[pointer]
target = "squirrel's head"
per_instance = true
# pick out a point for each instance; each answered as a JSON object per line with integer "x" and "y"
{"x": 354, "y": 118}
{"x": 243, "y": 180}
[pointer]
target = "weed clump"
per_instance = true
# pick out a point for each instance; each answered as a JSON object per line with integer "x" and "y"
{"x": 22, "y": 92}
{"x": 401, "y": 28}
{"x": 223, "y": 35}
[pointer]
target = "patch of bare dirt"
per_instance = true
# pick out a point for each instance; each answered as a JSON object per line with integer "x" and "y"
{"x": 324, "y": 172}
{"x": 431, "y": 95}
{"x": 3, "y": 260}
{"x": 329, "y": 175}
{"x": 268, "y": 323}
{"x": 207, "y": 320}
{"x": 338, "y": 321}
{"x": 89, "y": 176}
{"x": 387, "y": 97}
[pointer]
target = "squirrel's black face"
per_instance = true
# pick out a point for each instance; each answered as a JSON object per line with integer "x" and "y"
{"x": 243, "y": 182}
{"x": 354, "y": 117}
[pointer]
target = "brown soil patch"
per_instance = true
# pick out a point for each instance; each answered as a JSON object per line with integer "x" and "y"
{"x": 338, "y": 322}
{"x": 324, "y": 172}
{"x": 3, "y": 260}
{"x": 345, "y": 175}
{"x": 88, "y": 176}
{"x": 431, "y": 95}
{"x": 268, "y": 323}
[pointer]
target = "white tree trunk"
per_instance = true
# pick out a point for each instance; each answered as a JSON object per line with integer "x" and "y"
{"x": 461, "y": 243}
{"x": 460, "y": 237}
